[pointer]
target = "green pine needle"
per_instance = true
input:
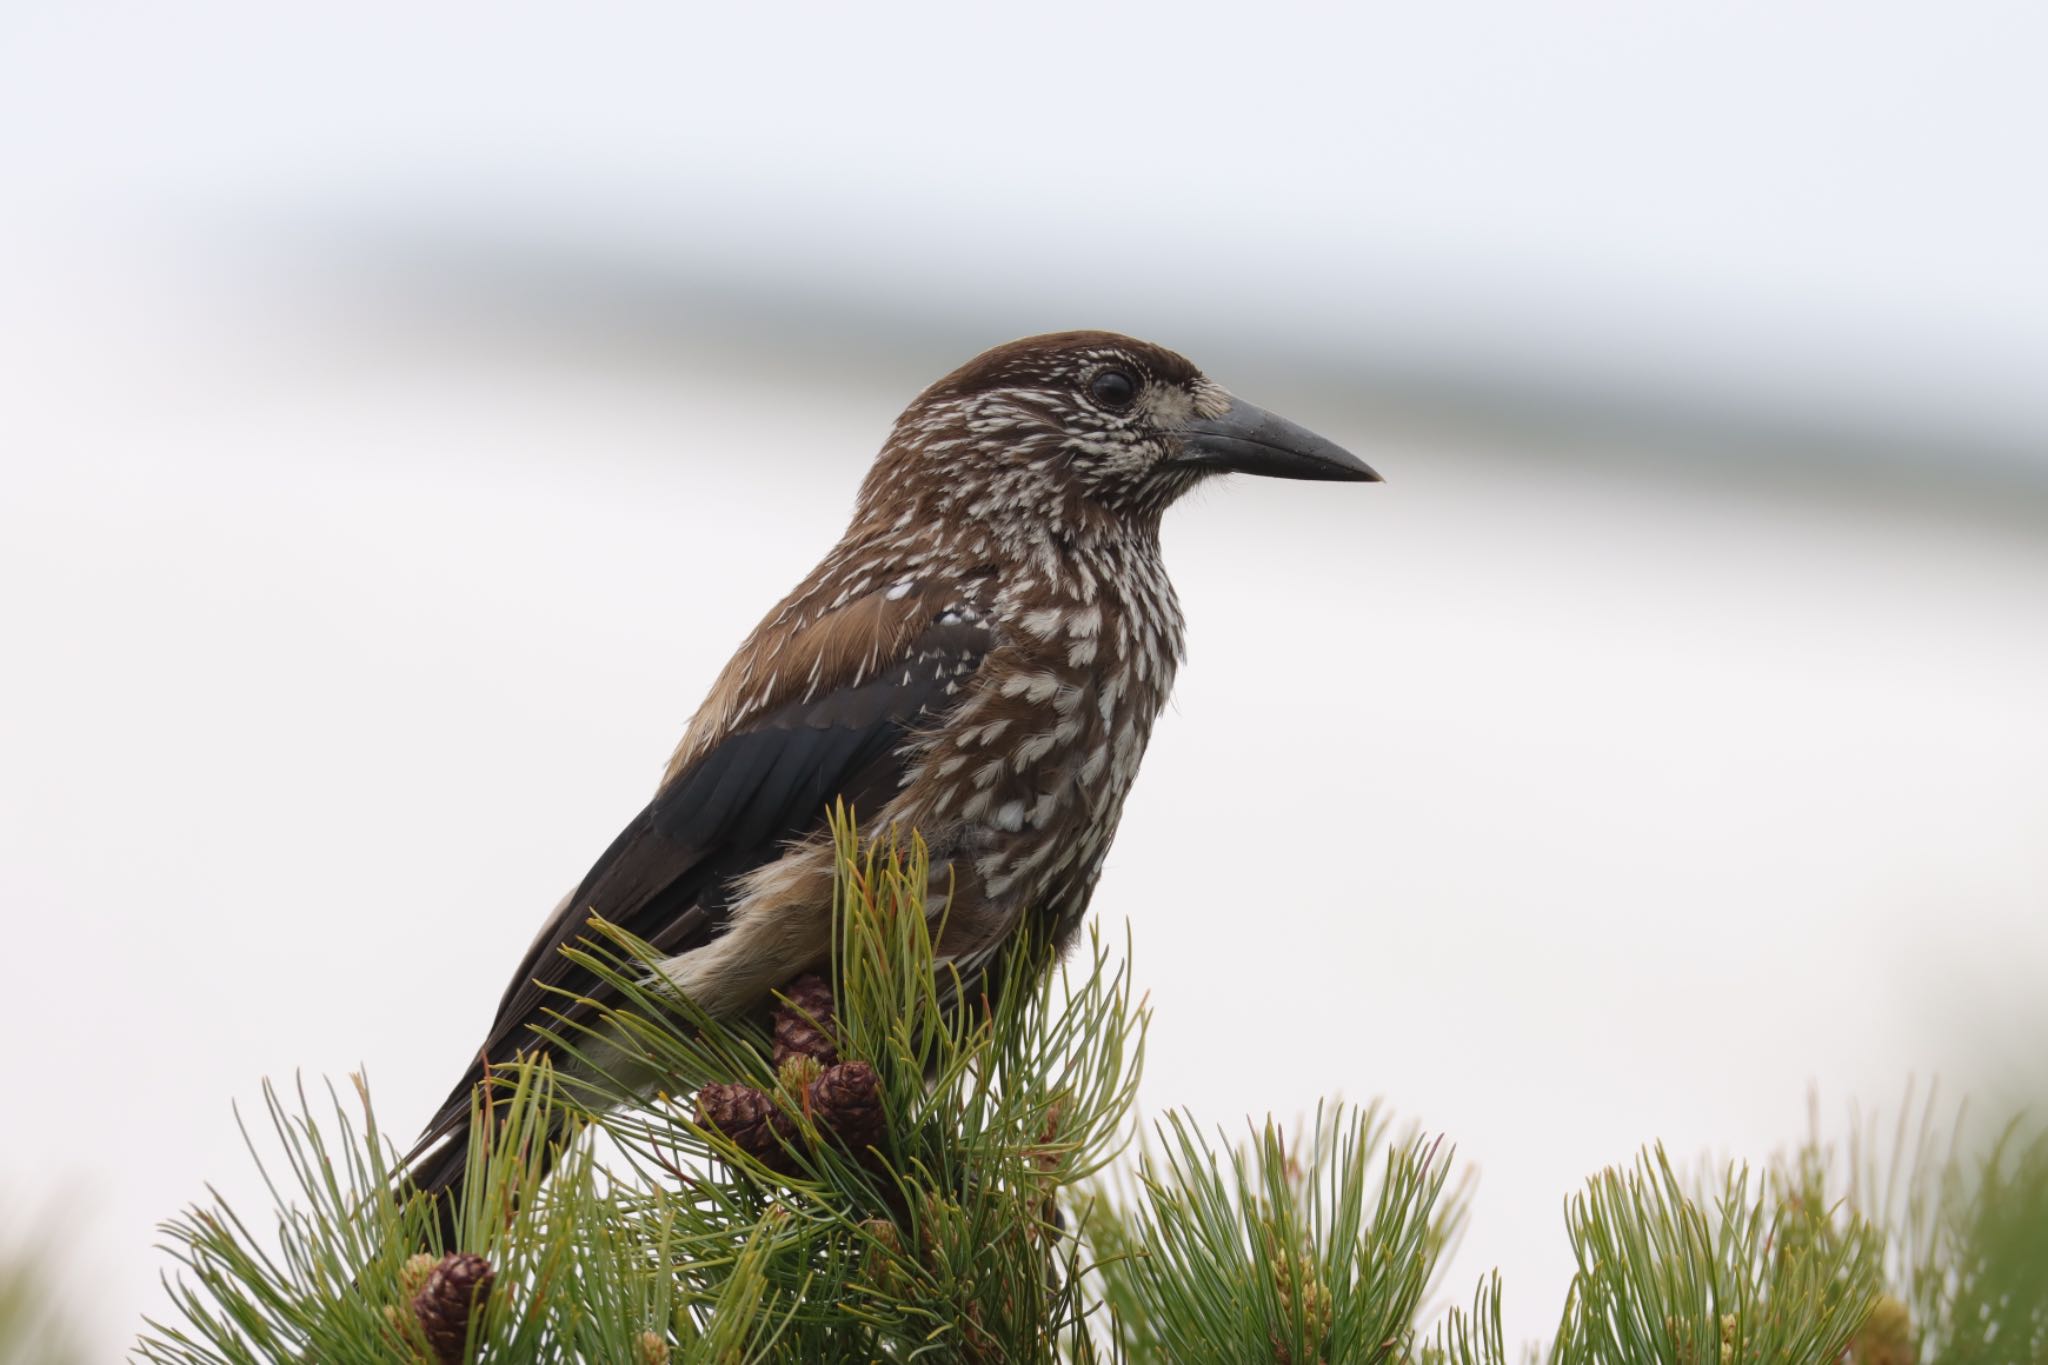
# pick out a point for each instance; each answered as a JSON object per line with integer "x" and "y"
{"x": 989, "y": 1222}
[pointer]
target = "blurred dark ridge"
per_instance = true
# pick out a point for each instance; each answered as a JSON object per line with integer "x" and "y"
{"x": 714, "y": 311}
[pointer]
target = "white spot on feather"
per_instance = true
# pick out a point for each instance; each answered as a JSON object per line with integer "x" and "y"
{"x": 1044, "y": 622}
{"x": 1033, "y": 687}
{"x": 1098, "y": 759}
{"x": 1031, "y": 750}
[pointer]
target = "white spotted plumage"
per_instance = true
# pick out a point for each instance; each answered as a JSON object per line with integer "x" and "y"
{"x": 980, "y": 660}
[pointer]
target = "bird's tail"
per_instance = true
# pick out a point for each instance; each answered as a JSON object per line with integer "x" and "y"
{"x": 440, "y": 1166}
{"x": 442, "y": 1174}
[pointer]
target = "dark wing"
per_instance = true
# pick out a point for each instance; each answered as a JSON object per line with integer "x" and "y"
{"x": 734, "y": 808}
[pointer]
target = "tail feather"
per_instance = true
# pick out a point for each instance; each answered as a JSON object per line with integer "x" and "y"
{"x": 439, "y": 1169}
{"x": 441, "y": 1175}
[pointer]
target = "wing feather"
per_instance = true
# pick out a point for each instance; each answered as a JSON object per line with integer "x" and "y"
{"x": 741, "y": 798}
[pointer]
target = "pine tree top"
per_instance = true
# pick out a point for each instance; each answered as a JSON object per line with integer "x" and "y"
{"x": 915, "y": 1174}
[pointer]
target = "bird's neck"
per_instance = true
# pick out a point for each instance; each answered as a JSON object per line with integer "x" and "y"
{"x": 1125, "y": 576}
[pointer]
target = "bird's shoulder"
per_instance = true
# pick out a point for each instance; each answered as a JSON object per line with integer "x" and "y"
{"x": 825, "y": 652}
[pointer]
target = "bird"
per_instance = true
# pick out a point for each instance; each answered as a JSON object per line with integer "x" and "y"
{"x": 980, "y": 659}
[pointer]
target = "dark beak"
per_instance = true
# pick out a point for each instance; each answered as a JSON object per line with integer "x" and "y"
{"x": 1250, "y": 440}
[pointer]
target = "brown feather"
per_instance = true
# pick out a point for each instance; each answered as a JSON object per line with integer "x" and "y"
{"x": 980, "y": 659}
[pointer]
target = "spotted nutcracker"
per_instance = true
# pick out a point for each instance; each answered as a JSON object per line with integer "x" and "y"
{"x": 979, "y": 659}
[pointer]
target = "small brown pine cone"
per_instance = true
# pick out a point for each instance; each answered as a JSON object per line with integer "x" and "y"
{"x": 750, "y": 1120}
{"x": 846, "y": 1101}
{"x": 653, "y": 1348}
{"x": 805, "y": 1020}
{"x": 455, "y": 1291}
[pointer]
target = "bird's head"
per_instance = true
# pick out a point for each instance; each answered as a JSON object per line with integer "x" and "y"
{"x": 1075, "y": 430}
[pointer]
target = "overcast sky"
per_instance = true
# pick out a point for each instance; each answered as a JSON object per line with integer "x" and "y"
{"x": 1762, "y": 206}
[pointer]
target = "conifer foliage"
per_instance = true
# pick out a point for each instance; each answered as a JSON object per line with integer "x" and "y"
{"x": 886, "y": 1170}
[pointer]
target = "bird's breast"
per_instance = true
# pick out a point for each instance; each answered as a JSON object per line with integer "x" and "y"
{"x": 1019, "y": 789}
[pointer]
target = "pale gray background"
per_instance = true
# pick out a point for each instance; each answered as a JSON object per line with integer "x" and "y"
{"x": 405, "y": 409}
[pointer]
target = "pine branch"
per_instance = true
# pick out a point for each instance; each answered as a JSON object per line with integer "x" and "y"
{"x": 1314, "y": 1249}
{"x": 888, "y": 1169}
{"x": 1668, "y": 1278}
{"x": 32, "y": 1326}
{"x": 1965, "y": 1234}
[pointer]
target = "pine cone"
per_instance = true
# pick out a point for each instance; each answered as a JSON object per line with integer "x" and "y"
{"x": 455, "y": 1291}
{"x": 846, "y": 1101}
{"x": 750, "y": 1120}
{"x": 804, "y": 1022}
{"x": 653, "y": 1348}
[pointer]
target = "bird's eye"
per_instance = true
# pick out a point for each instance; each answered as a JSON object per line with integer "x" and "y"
{"x": 1113, "y": 388}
